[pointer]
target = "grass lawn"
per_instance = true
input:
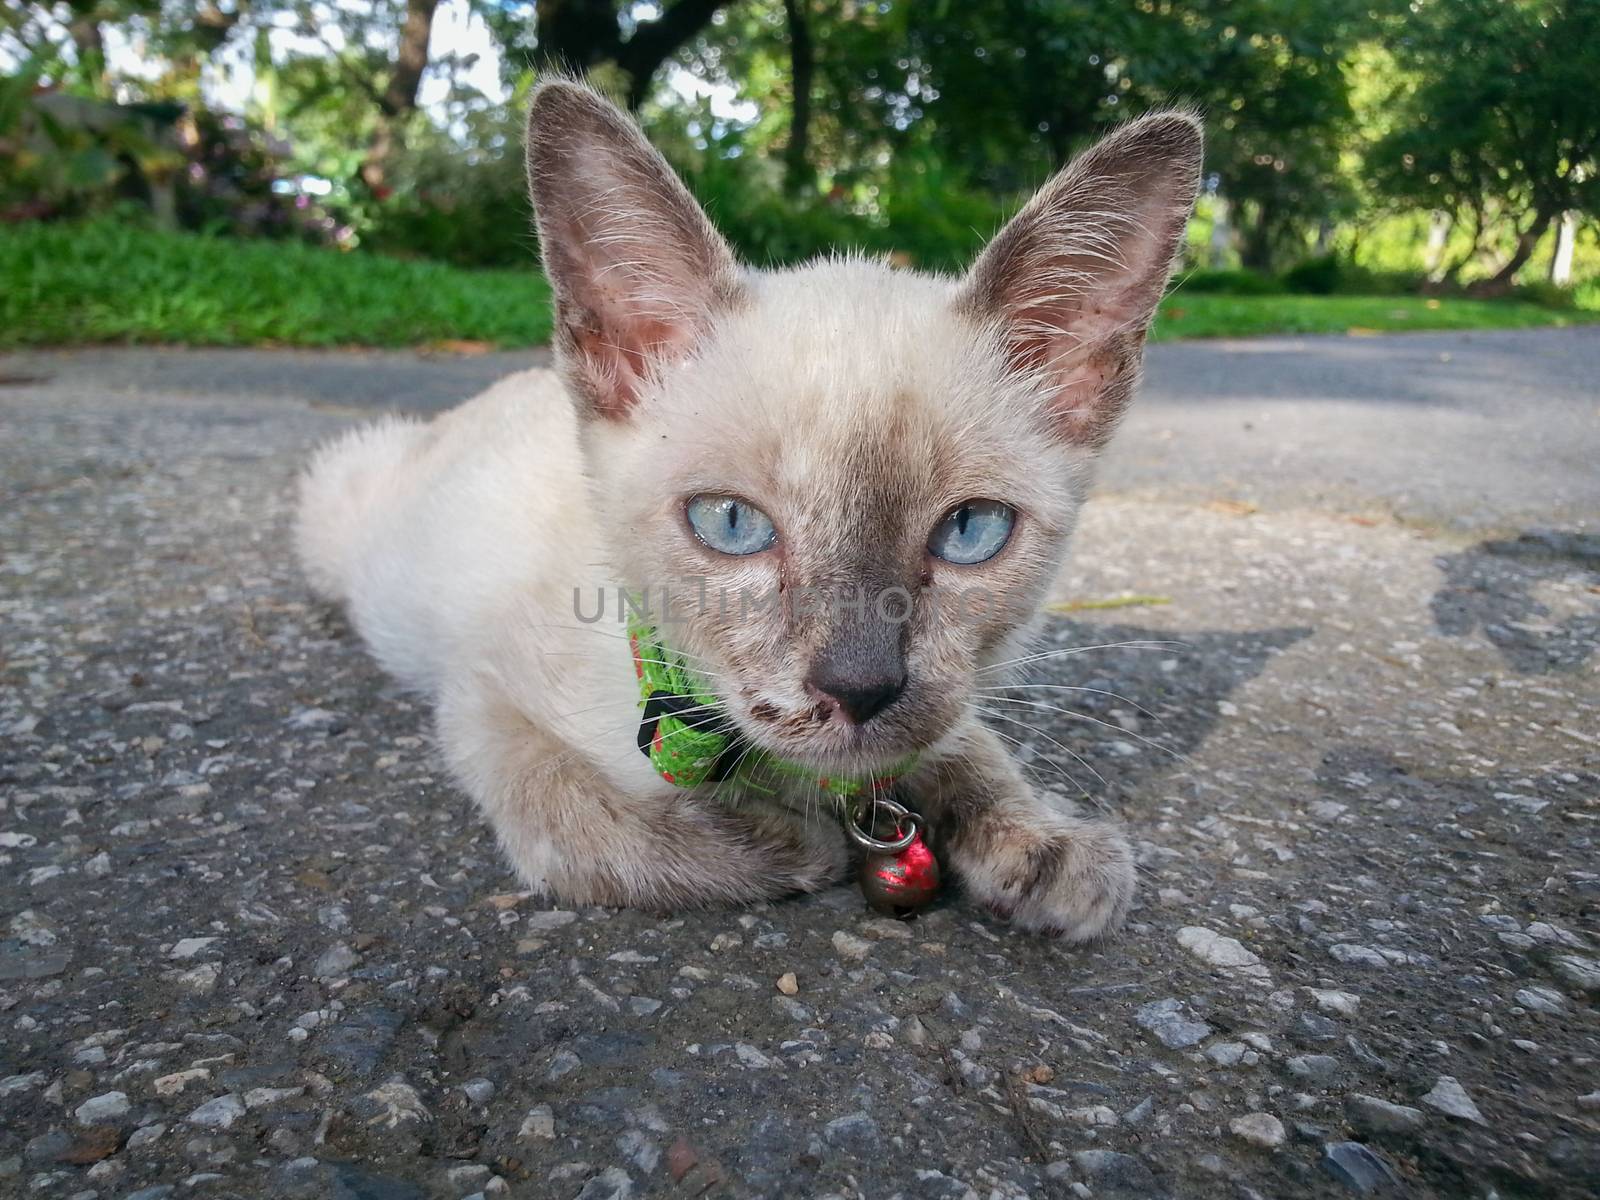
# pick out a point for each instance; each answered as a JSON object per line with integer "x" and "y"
{"x": 1200, "y": 315}
{"x": 107, "y": 282}
{"x": 103, "y": 281}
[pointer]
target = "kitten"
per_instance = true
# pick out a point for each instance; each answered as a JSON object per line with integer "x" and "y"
{"x": 839, "y": 426}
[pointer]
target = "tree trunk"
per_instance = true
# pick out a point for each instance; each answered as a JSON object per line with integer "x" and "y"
{"x": 797, "y": 173}
{"x": 89, "y": 42}
{"x": 656, "y": 41}
{"x": 1561, "y": 257}
{"x": 399, "y": 99}
{"x": 1452, "y": 272}
{"x": 1324, "y": 243}
{"x": 1439, "y": 223}
{"x": 212, "y": 26}
{"x": 1255, "y": 248}
{"x": 1500, "y": 282}
{"x": 578, "y": 35}
{"x": 1221, "y": 234}
{"x": 574, "y": 35}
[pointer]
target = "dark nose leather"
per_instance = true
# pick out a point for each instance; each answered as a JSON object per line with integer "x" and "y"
{"x": 858, "y": 699}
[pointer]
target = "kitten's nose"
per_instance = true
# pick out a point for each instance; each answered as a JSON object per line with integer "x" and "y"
{"x": 859, "y": 699}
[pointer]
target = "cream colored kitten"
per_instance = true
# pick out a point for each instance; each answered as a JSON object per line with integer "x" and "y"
{"x": 835, "y": 427}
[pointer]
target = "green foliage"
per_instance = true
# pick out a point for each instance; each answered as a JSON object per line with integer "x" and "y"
{"x": 1316, "y": 276}
{"x": 1333, "y": 125}
{"x": 69, "y": 154}
{"x": 464, "y": 206}
{"x": 1238, "y": 282}
{"x": 920, "y": 215}
{"x": 1324, "y": 275}
{"x": 1546, "y": 294}
{"x": 107, "y": 281}
{"x": 1001, "y": 94}
{"x": 1496, "y": 119}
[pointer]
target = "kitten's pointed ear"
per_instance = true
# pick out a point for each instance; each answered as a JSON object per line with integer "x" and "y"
{"x": 637, "y": 270}
{"x": 1073, "y": 281}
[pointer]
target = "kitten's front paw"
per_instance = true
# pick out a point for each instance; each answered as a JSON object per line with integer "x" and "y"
{"x": 1074, "y": 881}
{"x": 793, "y": 853}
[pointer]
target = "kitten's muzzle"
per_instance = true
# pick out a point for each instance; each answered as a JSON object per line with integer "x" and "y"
{"x": 861, "y": 669}
{"x": 857, "y": 700}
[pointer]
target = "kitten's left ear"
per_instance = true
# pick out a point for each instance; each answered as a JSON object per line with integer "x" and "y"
{"x": 637, "y": 270}
{"x": 1073, "y": 281}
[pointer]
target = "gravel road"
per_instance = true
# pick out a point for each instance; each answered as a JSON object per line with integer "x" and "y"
{"x": 253, "y": 944}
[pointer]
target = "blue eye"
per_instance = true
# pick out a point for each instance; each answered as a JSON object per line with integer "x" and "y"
{"x": 730, "y": 525}
{"x": 973, "y": 532}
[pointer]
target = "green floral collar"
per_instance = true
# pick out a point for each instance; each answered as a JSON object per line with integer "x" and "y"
{"x": 689, "y": 740}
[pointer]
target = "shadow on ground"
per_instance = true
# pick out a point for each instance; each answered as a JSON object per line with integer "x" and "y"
{"x": 1479, "y": 592}
{"x": 1115, "y": 705}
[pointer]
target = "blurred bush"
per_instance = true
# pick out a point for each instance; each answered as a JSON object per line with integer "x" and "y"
{"x": 238, "y": 181}
{"x": 464, "y": 202}
{"x": 66, "y": 155}
{"x": 1229, "y": 283}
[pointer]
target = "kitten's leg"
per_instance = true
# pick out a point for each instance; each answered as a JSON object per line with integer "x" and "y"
{"x": 569, "y": 832}
{"x": 1026, "y": 854}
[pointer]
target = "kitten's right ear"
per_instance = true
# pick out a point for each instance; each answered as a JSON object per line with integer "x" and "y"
{"x": 1071, "y": 284}
{"x": 637, "y": 270}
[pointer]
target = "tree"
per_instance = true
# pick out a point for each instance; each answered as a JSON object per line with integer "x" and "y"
{"x": 601, "y": 36}
{"x": 1270, "y": 76}
{"x": 802, "y": 67}
{"x": 1498, "y": 121}
{"x": 996, "y": 95}
{"x": 398, "y": 100}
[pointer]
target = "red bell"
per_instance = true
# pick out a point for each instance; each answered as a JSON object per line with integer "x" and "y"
{"x": 903, "y": 882}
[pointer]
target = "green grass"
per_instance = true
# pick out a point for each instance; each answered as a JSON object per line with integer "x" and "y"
{"x": 106, "y": 281}
{"x": 1199, "y": 315}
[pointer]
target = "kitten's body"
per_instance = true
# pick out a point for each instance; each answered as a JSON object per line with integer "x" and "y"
{"x": 855, "y": 405}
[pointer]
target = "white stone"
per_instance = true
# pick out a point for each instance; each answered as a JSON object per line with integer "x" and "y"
{"x": 189, "y": 947}
{"x": 1259, "y": 1129}
{"x": 265, "y": 1097}
{"x": 848, "y": 946}
{"x": 1225, "y": 1054}
{"x": 220, "y": 1113}
{"x": 751, "y": 1057}
{"x": 336, "y": 961}
{"x": 538, "y": 1126}
{"x": 99, "y": 1110}
{"x": 1216, "y": 950}
{"x": 547, "y": 921}
{"x": 397, "y": 1103}
{"x": 200, "y": 980}
{"x": 171, "y": 1085}
{"x": 887, "y": 929}
{"x": 1096, "y": 1116}
{"x": 1542, "y": 999}
{"x": 1581, "y": 972}
{"x": 1336, "y": 1003}
{"x": 1543, "y": 931}
{"x": 13, "y": 1084}
{"x": 1450, "y": 1098}
{"x": 1360, "y": 956}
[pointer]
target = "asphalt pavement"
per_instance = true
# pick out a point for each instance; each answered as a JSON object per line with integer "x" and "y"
{"x": 252, "y": 942}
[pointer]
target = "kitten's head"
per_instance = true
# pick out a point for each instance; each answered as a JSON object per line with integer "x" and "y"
{"x": 857, "y": 483}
